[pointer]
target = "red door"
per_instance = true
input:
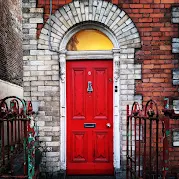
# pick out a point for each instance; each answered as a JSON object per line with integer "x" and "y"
{"x": 90, "y": 117}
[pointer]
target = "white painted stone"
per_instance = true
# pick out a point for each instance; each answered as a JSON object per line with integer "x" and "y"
{"x": 30, "y": 78}
{"x": 26, "y": 73}
{"x": 33, "y": 42}
{"x": 29, "y": 68}
{"x": 43, "y": 46}
{"x": 45, "y": 58}
{"x": 44, "y": 78}
{"x": 40, "y": 123}
{"x": 37, "y": 83}
{"x": 29, "y": 26}
{"x": 37, "y": 52}
{"x": 52, "y": 154}
{"x": 51, "y": 72}
{"x": 36, "y": 94}
{"x": 26, "y": 84}
{"x": 128, "y": 27}
{"x": 44, "y": 67}
{"x": 109, "y": 17}
{"x": 52, "y": 83}
{"x": 29, "y": 47}
{"x": 36, "y": 20}
{"x": 44, "y": 88}
{"x": 53, "y": 144}
{"x": 55, "y": 77}
{"x": 32, "y": 31}
{"x": 36, "y": 62}
{"x": 34, "y": 89}
{"x": 36, "y": 10}
{"x": 45, "y": 139}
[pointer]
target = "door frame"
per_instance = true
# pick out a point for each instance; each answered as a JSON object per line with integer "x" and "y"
{"x": 90, "y": 55}
{"x": 114, "y": 55}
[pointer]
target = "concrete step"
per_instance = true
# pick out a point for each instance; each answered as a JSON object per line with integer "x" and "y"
{"x": 90, "y": 177}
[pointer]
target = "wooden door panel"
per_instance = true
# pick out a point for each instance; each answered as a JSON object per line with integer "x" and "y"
{"x": 100, "y": 93}
{"x": 101, "y": 152}
{"x": 79, "y": 148}
{"x": 78, "y": 92}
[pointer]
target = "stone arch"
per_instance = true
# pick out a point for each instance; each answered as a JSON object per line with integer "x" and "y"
{"x": 104, "y": 13}
{"x": 88, "y": 25}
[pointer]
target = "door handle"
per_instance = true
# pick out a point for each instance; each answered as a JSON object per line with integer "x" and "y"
{"x": 108, "y": 125}
{"x": 90, "y": 88}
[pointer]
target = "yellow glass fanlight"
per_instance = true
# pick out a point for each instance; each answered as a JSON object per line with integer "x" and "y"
{"x": 89, "y": 40}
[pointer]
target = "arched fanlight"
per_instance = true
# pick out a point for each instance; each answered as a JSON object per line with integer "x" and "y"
{"x": 89, "y": 39}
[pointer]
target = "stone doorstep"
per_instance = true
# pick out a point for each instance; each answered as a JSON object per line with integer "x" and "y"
{"x": 90, "y": 177}
{"x": 60, "y": 175}
{"x": 118, "y": 174}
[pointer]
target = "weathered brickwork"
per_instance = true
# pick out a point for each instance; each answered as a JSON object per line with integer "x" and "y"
{"x": 153, "y": 20}
{"x": 144, "y": 31}
{"x": 11, "y": 41}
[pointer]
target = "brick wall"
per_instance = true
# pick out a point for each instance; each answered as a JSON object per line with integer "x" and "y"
{"x": 41, "y": 66}
{"x": 153, "y": 20}
{"x": 11, "y": 41}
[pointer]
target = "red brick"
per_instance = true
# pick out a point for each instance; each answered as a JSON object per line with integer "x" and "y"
{"x": 135, "y": 10}
{"x": 143, "y": 25}
{"x": 156, "y": 34}
{"x": 145, "y": 20}
{"x": 41, "y": 2}
{"x": 167, "y": 66}
{"x": 156, "y": 94}
{"x": 146, "y": 15}
{"x": 166, "y": 29}
{"x": 157, "y": 1}
{"x": 137, "y": 15}
{"x": 126, "y": 6}
{"x": 157, "y": 5}
{"x": 157, "y": 80}
{"x": 146, "y": 10}
{"x": 136, "y": 1}
{"x": 156, "y": 20}
{"x": 167, "y": 1}
{"x": 136, "y": 6}
{"x": 145, "y": 29}
{"x": 146, "y": 5}
{"x": 157, "y": 24}
{"x": 146, "y": 1}
{"x": 115, "y": 1}
{"x": 148, "y": 66}
{"x": 165, "y": 47}
{"x": 156, "y": 15}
